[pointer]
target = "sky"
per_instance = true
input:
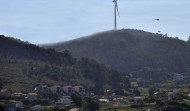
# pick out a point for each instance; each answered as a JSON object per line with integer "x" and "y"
{"x": 50, "y": 21}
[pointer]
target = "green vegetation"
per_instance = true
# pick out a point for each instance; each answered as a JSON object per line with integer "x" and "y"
{"x": 76, "y": 99}
{"x": 24, "y": 65}
{"x": 152, "y": 90}
{"x": 130, "y": 50}
{"x": 89, "y": 105}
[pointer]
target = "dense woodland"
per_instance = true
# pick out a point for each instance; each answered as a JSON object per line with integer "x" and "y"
{"x": 25, "y": 65}
{"x": 130, "y": 50}
{"x": 149, "y": 58}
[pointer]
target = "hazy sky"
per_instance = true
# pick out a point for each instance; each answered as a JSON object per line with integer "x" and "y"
{"x": 47, "y": 21}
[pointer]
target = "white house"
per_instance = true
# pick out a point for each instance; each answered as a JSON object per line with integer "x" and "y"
{"x": 19, "y": 105}
{"x": 104, "y": 100}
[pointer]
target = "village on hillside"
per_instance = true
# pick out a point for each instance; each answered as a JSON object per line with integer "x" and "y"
{"x": 70, "y": 98}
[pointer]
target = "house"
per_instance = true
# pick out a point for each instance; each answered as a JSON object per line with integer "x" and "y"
{"x": 18, "y": 95}
{"x": 75, "y": 109}
{"x": 31, "y": 96}
{"x": 45, "y": 89}
{"x": 178, "y": 78}
{"x": 138, "y": 99}
{"x": 19, "y": 105}
{"x": 68, "y": 90}
{"x": 79, "y": 89}
{"x": 55, "y": 89}
{"x": 119, "y": 101}
{"x": 172, "y": 95}
{"x": 4, "y": 93}
{"x": 104, "y": 100}
{"x": 36, "y": 108}
{"x": 65, "y": 100}
{"x": 160, "y": 95}
{"x": 109, "y": 94}
{"x": 186, "y": 91}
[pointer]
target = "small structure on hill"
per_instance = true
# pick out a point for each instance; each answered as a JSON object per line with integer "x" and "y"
{"x": 4, "y": 93}
{"x": 31, "y": 96}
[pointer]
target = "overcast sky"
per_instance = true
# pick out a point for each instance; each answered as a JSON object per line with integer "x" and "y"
{"x": 48, "y": 21}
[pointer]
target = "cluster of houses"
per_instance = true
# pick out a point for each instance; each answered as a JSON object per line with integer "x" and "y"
{"x": 63, "y": 92}
{"x": 165, "y": 95}
{"x": 110, "y": 96}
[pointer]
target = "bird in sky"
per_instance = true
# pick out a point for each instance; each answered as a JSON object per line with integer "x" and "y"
{"x": 157, "y": 19}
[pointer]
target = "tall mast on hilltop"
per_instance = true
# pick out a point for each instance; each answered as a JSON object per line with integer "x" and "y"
{"x": 116, "y": 10}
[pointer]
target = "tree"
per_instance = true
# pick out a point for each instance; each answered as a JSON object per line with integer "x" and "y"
{"x": 77, "y": 99}
{"x": 90, "y": 105}
{"x": 136, "y": 92}
{"x": 152, "y": 90}
{"x": 188, "y": 39}
{"x": 126, "y": 83}
{"x": 1, "y": 84}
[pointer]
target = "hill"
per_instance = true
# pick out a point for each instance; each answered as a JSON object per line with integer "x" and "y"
{"x": 129, "y": 50}
{"x": 24, "y": 65}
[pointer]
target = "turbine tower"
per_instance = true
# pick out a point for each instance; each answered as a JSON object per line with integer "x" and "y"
{"x": 116, "y": 10}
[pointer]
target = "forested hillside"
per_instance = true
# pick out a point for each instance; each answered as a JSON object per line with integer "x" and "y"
{"x": 24, "y": 65}
{"x": 130, "y": 50}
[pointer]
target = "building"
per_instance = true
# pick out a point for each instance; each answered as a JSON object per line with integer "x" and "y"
{"x": 172, "y": 95}
{"x": 19, "y": 105}
{"x": 55, "y": 89}
{"x": 79, "y": 89}
{"x": 18, "y": 96}
{"x": 68, "y": 90}
{"x": 120, "y": 101}
{"x": 31, "y": 96}
{"x": 75, "y": 109}
{"x": 4, "y": 93}
{"x": 104, "y": 100}
{"x": 36, "y": 108}
{"x": 45, "y": 89}
{"x": 58, "y": 90}
{"x": 109, "y": 94}
{"x": 65, "y": 100}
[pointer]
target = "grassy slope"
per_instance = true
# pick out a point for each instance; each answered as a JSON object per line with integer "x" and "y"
{"x": 14, "y": 79}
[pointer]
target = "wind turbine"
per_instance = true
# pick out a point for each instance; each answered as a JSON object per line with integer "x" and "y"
{"x": 116, "y": 10}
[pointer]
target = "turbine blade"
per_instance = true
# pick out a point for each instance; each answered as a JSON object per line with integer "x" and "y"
{"x": 117, "y": 9}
